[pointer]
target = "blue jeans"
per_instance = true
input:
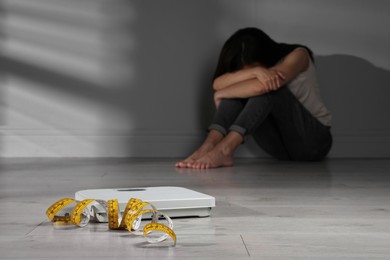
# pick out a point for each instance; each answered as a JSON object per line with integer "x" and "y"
{"x": 278, "y": 123}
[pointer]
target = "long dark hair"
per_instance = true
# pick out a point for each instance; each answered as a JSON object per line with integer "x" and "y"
{"x": 249, "y": 46}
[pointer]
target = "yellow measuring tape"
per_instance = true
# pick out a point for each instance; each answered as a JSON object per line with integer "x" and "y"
{"x": 130, "y": 219}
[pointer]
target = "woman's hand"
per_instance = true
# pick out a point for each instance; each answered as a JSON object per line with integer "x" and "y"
{"x": 271, "y": 79}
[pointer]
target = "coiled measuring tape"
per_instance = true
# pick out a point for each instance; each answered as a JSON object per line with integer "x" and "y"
{"x": 130, "y": 219}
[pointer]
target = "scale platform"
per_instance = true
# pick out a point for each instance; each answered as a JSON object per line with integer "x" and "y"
{"x": 173, "y": 201}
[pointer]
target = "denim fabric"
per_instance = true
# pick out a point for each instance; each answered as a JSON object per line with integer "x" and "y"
{"x": 278, "y": 122}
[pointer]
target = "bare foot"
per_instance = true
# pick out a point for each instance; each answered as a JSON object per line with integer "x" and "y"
{"x": 221, "y": 155}
{"x": 213, "y": 159}
{"x": 213, "y": 138}
{"x": 186, "y": 163}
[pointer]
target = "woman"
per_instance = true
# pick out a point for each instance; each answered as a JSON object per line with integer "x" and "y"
{"x": 268, "y": 90}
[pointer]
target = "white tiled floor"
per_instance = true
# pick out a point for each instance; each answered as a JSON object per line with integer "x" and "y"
{"x": 266, "y": 209}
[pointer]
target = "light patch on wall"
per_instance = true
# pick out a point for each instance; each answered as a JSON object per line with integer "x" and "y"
{"x": 77, "y": 39}
{"x": 68, "y": 69}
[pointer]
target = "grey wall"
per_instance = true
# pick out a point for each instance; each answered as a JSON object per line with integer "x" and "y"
{"x": 95, "y": 78}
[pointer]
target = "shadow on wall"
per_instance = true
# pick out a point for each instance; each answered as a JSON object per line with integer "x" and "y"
{"x": 108, "y": 77}
{"x": 67, "y": 82}
{"x": 176, "y": 54}
{"x": 2, "y": 79}
{"x": 138, "y": 75}
{"x": 356, "y": 92}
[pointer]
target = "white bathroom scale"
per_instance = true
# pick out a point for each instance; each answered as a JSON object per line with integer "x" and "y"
{"x": 173, "y": 201}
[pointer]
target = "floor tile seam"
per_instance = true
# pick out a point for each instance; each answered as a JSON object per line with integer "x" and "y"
{"x": 246, "y": 248}
{"x": 34, "y": 228}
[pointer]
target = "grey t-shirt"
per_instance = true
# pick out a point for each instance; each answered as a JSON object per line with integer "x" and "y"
{"x": 305, "y": 89}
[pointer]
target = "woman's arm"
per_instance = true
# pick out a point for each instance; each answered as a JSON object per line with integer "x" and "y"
{"x": 244, "y": 89}
{"x": 293, "y": 64}
{"x": 232, "y": 78}
{"x": 267, "y": 79}
{"x": 270, "y": 78}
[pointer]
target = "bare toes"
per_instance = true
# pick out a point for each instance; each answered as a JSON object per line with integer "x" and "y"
{"x": 182, "y": 164}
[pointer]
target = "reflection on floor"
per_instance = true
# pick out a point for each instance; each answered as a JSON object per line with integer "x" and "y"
{"x": 265, "y": 209}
